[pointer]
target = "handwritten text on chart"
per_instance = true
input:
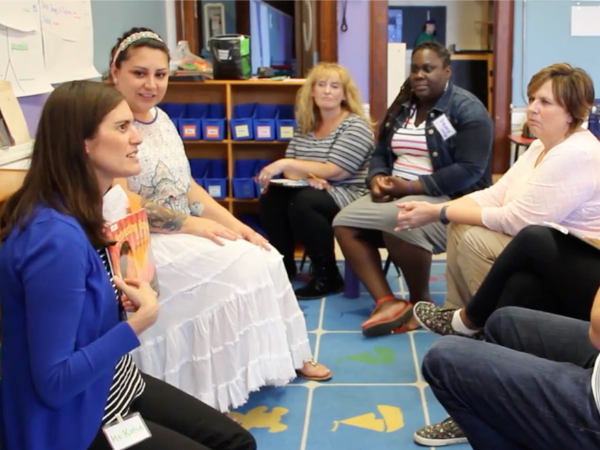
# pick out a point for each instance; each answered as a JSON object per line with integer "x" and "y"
{"x": 19, "y": 47}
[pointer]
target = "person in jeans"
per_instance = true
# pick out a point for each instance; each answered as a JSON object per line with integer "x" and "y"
{"x": 541, "y": 269}
{"x": 435, "y": 144}
{"x": 331, "y": 151}
{"x": 533, "y": 385}
{"x": 67, "y": 372}
{"x": 556, "y": 180}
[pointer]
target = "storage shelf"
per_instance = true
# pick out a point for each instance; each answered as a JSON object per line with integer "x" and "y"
{"x": 230, "y": 93}
{"x": 234, "y": 142}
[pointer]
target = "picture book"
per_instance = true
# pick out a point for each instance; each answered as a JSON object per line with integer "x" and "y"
{"x": 131, "y": 254}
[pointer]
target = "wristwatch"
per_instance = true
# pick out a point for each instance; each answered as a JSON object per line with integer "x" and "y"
{"x": 443, "y": 217}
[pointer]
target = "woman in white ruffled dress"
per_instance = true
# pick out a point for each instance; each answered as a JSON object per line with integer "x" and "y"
{"x": 230, "y": 322}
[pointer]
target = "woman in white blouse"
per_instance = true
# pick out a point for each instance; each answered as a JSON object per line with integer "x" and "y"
{"x": 556, "y": 180}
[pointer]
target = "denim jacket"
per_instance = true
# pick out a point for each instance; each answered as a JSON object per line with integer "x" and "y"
{"x": 462, "y": 163}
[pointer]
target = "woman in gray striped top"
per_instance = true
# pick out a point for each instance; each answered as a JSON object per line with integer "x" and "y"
{"x": 331, "y": 151}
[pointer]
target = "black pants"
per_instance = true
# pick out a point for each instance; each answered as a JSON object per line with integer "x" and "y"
{"x": 177, "y": 420}
{"x": 299, "y": 214}
{"x": 541, "y": 269}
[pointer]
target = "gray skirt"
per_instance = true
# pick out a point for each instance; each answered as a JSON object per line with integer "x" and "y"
{"x": 368, "y": 215}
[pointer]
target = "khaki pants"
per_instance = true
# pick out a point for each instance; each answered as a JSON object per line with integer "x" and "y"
{"x": 471, "y": 251}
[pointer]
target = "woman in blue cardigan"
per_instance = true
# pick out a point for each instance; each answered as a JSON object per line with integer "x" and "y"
{"x": 68, "y": 380}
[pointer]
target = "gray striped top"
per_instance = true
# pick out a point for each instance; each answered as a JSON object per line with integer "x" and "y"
{"x": 349, "y": 146}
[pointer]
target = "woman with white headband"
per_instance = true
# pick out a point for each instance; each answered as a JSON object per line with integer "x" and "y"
{"x": 229, "y": 322}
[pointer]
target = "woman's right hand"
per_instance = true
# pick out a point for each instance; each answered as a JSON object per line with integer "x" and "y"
{"x": 138, "y": 297}
{"x": 377, "y": 194}
{"x": 212, "y": 230}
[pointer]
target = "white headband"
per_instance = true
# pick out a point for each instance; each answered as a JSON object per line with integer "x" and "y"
{"x": 133, "y": 38}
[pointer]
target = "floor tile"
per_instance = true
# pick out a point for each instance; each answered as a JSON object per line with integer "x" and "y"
{"x": 356, "y": 359}
{"x": 346, "y": 314}
{"x": 365, "y": 417}
{"x": 275, "y": 417}
{"x": 423, "y": 342}
{"x": 312, "y": 312}
{"x": 437, "y": 280}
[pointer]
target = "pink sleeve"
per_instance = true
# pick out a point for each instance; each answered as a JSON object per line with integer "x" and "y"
{"x": 494, "y": 195}
{"x": 563, "y": 182}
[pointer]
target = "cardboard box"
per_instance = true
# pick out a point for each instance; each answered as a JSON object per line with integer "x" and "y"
{"x": 12, "y": 115}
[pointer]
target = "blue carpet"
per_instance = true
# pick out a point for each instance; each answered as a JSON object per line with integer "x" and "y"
{"x": 377, "y": 397}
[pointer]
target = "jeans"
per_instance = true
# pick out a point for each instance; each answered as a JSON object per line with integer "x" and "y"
{"x": 542, "y": 269}
{"x": 527, "y": 387}
{"x": 179, "y": 421}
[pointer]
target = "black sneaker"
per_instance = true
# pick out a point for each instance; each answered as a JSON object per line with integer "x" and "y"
{"x": 440, "y": 434}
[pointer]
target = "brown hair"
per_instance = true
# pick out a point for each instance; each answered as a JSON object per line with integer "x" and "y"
{"x": 572, "y": 88}
{"x": 125, "y": 53}
{"x": 61, "y": 175}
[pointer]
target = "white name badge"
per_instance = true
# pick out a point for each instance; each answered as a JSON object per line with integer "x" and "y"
{"x": 126, "y": 432}
{"x": 444, "y": 127}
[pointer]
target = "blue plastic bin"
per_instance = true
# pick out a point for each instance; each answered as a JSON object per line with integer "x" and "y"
{"x": 190, "y": 128}
{"x": 285, "y": 123}
{"x": 264, "y": 122}
{"x": 213, "y": 123}
{"x": 241, "y": 122}
{"x": 215, "y": 181}
{"x": 175, "y": 111}
{"x": 199, "y": 167}
{"x": 244, "y": 175}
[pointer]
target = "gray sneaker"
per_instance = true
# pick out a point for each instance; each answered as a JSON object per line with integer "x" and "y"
{"x": 438, "y": 320}
{"x": 440, "y": 434}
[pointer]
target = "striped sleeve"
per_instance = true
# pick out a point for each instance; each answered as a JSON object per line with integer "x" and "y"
{"x": 352, "y": 147}
{"x": 290, "y": 151}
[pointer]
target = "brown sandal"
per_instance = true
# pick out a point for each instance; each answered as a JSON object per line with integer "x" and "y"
{"x": 383, "y": 327}
{"x": 314, "y": 378}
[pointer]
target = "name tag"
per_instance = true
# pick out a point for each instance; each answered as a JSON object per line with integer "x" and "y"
{"x": 444, "y": 127}
{"x": 126, "y": 432}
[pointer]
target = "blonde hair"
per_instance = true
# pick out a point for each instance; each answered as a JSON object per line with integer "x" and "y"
{"x": 308, "y": 115}
{"x": 572, "y": 87}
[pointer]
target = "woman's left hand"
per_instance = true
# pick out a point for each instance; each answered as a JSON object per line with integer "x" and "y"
{"x": 417, "y": 214}
{"x": 270, "y": 171}
{"x": 254, "y": 238}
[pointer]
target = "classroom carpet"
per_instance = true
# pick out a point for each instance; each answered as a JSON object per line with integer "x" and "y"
{"x": 377, "y": 397}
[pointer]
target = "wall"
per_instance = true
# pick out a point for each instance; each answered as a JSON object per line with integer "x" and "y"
{"x": 108, "y": 26}
{"x": 548, "y": 40}
{"x": 461, "y": 17}
{"x": 353, "y": 45}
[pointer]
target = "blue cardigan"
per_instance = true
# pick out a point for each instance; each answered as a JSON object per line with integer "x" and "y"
{"x": 61, "y": 336}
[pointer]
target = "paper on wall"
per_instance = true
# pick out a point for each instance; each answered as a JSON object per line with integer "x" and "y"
{"x": 585, "y": 20}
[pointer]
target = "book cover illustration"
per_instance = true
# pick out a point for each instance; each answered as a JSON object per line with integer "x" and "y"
{"x": 127, "y": 226}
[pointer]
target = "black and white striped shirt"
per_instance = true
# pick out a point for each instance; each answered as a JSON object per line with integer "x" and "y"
{"x": 350, "y": 147}
{"x": 128, "y": 383}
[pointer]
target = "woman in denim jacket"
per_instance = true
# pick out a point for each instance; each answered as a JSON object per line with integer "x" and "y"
{"x": 434, "y": 145}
